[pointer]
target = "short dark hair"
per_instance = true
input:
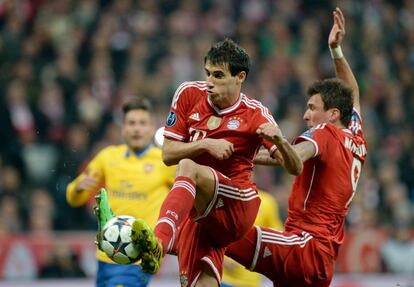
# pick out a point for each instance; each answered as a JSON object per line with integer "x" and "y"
{"x": 136, "y": 103}
{"x": 228, "y": 52}
{"x": 334, "y": 94}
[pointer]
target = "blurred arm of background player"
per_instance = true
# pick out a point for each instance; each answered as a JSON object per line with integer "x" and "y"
{"x": 80, "y": 189}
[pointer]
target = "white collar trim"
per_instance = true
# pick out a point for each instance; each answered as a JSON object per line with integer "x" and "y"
{"x": 228, "y": 109}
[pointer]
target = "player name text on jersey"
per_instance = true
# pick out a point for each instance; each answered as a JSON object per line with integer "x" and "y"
{"x": 359, "y": 150}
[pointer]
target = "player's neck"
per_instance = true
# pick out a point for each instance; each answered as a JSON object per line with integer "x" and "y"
{"x": 228, "y": 102}
{"x": 138, "y": 152}
{"x": 338, "y": 125}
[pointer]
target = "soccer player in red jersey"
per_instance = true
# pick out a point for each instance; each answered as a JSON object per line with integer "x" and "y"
{"x": 333, "y": 151}
{"x": 213, "y": 132}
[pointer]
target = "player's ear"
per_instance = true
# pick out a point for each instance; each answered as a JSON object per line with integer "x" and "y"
{"x": 335, "y": 115}
{"x": 241, "y": 77}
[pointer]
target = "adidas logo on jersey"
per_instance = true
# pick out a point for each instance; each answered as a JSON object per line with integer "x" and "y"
{"x": 220, "y": 203}
{"x": 195, "y": 117}
{"x": 266, "y": 252}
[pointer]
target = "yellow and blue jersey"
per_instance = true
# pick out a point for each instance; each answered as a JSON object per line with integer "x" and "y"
{"x": 268, "y": 215}
{"x": 137, "y": 183}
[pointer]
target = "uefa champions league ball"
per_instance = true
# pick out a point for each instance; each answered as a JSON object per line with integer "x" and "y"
{"x": 116, "y": 240}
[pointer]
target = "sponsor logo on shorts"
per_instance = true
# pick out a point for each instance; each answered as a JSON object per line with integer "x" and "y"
{"x": 183, "y": 280}
{"x": 220, "y": 203}
{"x": 267, "y": 252}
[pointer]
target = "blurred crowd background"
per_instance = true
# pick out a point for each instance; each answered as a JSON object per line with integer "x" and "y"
{"x": 65, "y": 67}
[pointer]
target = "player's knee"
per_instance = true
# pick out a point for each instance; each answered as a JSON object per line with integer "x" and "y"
{"x": 207, "y": 278}
{"x": 187, "y": 167}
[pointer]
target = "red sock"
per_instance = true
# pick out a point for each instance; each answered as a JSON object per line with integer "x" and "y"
{"x": 175, "y": 208}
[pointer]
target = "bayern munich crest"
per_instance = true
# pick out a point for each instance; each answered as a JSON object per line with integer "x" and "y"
{"x": 233, "y": 124}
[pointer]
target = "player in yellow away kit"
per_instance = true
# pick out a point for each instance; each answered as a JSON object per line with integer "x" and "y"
{"x": 136, "y": 180}
{"x": 234, "y": 274}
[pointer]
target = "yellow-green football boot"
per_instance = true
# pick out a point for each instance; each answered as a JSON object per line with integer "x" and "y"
{"x": 150, "y": 249}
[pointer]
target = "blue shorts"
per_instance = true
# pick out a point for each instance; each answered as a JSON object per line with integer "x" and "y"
{"x": 115, "y": 275}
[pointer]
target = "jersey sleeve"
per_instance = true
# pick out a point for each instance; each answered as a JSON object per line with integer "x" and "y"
{"x": 355, "y": 125}
{"x": 95, "y": 169}
{"x": 176, "y": 124}
{"x": 319, "y": 136}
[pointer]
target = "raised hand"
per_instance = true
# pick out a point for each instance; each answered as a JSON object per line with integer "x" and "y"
{"x": 338, "y": 29}
{"x": 219, "y": 148}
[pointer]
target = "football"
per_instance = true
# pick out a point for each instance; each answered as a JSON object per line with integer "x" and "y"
{"x": 116, "y": 240}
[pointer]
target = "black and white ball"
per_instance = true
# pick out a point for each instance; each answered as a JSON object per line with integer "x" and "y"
{"x": 116, "y": 240}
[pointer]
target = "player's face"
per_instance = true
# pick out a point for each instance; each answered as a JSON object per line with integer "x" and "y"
{"x": 137, "y": 129}
{"x": 222, "y": 88}
{"x": 315, "y": 113}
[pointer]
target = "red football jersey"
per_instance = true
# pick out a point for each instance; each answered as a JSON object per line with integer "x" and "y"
{"x": 322, "y": 193}
{"x": 193, "y": 117}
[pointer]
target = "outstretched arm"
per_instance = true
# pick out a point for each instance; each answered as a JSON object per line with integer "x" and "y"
{"x": 342, "y": 69}
{"x": 81, "y": 189}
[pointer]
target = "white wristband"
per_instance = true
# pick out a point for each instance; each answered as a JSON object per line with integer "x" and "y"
{"x": 336, "y": 53}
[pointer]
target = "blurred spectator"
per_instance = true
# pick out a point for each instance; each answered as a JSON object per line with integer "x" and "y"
{"x": 52, "y": 106}
{"x": 66, "y": 66}
{"x": 41, "y": 212}
{"x": 89, "y": 108}
{"x": 74, "y": 151}
{"x": 10, "y": 181}
{"x": 12, "y": 197}
{"x": 399, "y": 207}
{"x": 22, "y": 116}
{"x": 73, "y": 155}
{"x": 398, "y": 251}
{"x": 10, "y": 214}
{"x": 40, "y": 159}
{"x": 61, "y": 262}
